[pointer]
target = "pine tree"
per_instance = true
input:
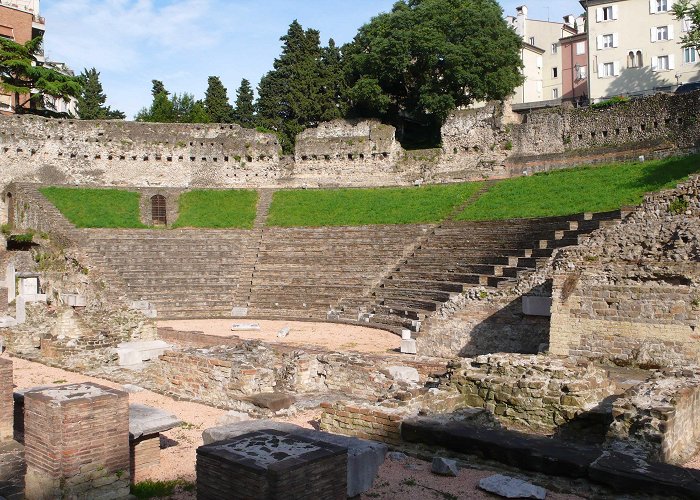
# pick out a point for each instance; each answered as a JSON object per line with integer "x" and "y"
{"x": 92, "y": 98}
{"x": 216, "y": 102}
{"x": 334, "y": 87}
{"x": 290, "y": 96}
{"x": 158, "y": 88}
{"x": 244, "y": 114}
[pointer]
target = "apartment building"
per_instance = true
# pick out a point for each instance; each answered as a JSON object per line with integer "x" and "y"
{"x": 541, "y": 56}
{"x": 635, "y": 48}
{"x": 574, "y": 66}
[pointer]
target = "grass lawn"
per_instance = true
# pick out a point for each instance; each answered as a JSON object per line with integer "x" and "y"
{"x": 356, "y": 207}
{"x": 218, "y": 209}
{"x": 585, "y": 189}
{"x": 108, "y": 208}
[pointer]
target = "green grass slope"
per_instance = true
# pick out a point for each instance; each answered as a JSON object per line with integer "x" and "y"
{"x": 93, "y": 208}
{"x": 356, "y": 207}
{"x": 584, "y": 189}
{"x": 218, "y": 209}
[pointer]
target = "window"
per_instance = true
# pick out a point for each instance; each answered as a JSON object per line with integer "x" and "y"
{"x": 581, "y": 72}
{"x": 555, "y": 93}
{"x": 555, "y": 48}
{"x": 640, "y": 61}
{"x": 661, "y": 33}
{"x": 608, "y": 69}
{"x": 661, "y": 5}
{"x": 607, "y": 41}
{"x": 580, "y": 48}
{"x": 634, "y": 59}
{"x": 662, "y": 63}
{"x": 532, "y": 40}
{"x": 690, "y": 55}
{"x": 555, "y": 72}
{"x": 687, "y": 24}
{"x": 607, "y": 13}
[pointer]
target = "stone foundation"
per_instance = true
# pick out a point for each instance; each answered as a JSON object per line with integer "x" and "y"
{"x": 660, "y": 418}
{"x": 531, "y": 391}
{"x": 272, "y": 465}
{"x": 77, "y": 442}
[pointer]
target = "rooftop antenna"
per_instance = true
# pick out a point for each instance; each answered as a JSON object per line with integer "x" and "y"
{"x": 548, "y": 13}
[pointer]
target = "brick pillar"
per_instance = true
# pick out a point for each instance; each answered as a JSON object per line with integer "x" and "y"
{"x": 6, "y": 401}
{"x": 76, "y": 441}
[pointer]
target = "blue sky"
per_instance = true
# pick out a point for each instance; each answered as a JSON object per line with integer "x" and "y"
{"x": 182, "y": 42}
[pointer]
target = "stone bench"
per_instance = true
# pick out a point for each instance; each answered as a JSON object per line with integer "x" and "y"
{"x": 145, "y": 425}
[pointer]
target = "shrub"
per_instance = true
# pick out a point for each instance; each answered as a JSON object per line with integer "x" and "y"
{"x": 613, "y": 101}
{"x": 678, "y": 206}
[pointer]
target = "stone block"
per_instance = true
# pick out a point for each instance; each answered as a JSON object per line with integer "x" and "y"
{"x": 404, "y": 374}
{"x": 409, "y": 347}
{"x": 239, "y": 312}
{"x": 245, "y": 327}
{"x": 511, "y": 487}
{"x": 364, "y": 457}
{"x": 537, "y": 306}
{"x": 444, "y": 467}
{"x": 10, "y": 283}
{"x": 274, "y": 401}
{"x": 74, "y": 300}
{"x": 29, "y": 286}
{"x": 135, "y": 353}
{"x": 67, "y": 427}
{"x": 145, "y": 420}
{"x": 272, "y": 465}
{"x": 20, "y": 310}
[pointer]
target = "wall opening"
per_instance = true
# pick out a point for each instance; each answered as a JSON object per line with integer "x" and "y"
{"x": 9, "y": 203}
{"x": 158, "y": 210}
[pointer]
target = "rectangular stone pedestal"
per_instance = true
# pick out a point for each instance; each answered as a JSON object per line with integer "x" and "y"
{"x": 6, "y": 401}
{"x": 272, "y": 465}
{"x": 77, "y": 442}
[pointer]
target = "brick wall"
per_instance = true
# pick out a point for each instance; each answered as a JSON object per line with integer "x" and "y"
{"x": 77, "y": 442}
{"x": 6, "y": 401}
{"x": 362, "y": 421}
{"x": 19, "y": 21}
{"x": 145, "y": 455}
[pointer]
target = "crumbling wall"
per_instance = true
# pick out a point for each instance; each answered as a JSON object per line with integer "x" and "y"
{"x": 660, "y": 418}
{"x": 629, "y": 294}
{"x": 536, "y": 392}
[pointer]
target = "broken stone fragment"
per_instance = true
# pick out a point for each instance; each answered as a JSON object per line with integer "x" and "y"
{"x": 511, "y": 487}
{"x": 445, "y": 467}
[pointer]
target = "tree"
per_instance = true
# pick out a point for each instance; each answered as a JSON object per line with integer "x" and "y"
{"x": 158, "y": 88}
{"x": 293, "y": 96}
{"x": 333, "y": 85}
{"x": 92, "y": 98}
{"x": 216, "y": 102}
{"x": 244, "y": 113}
{"x": 29, "y": 82}
{"x": 689, "y": 13}
{"x": 428, "y": 57}
{"x": 181, "y": 108}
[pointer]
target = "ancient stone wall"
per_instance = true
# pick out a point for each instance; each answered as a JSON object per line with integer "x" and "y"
{"x": 629, "y": 293}
{"x": 362, "y": 421}
{"x": 659, "y": 419}
{"x": 6, "y": 401}
{"x": 530, "y": 391}
{"x": 483, "y": 143}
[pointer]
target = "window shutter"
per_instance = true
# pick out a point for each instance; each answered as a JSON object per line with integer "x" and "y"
{"x": 601, "y": 70}
{"x": 599, "y": 42}
{"x": 614, "y": 11}
{"x": 616, "y": 38}
{"x": 653, "y": 34}
{"x": 616, "y": 68}
{"x": 652, "y": 6}
{"x": 671, "y": 62}
{"x": 670, "y": 31}
{"x": 654, "y": 63}
{"x": 599, "y": 14}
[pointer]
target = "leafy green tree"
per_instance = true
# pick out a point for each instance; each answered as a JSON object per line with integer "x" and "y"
{"x": 689, "y": 13}
{"x": 217, "y": 103}
{"x": 427, "y": 57}
{"x": 91, "y": 101}
{"x": 29, "y": 82}
{"x": 244, "y": 113}
{"x": 181, "y": 108}
{"x": 162, "y": 109}
{"x": 294, "y": 95}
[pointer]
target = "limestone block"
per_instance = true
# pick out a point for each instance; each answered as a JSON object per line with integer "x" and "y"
{"x": 364, "y": 457}
{"x": 537, "y": 306}
{"x": 404, "y": 374}
{"x": 7, "y": 322}
{"x": 239, "y": 312}
{"x": 444, "y": 467}
{"x": 10, "y": 282}
{"x": 135, "y": 353}
{"x": 409, "y": 347}
{"x": 29, "y": 286}
{"x": 283, "y": 332}
{"x": 510, "y": 487}
{"x": 20, "y": 310}
{"x": 245, "y": 327}
{"x": 145, "y": 420}
{"x": 74, "y": 300}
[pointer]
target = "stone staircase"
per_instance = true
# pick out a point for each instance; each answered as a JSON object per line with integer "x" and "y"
{"x": 460, "y": 255}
